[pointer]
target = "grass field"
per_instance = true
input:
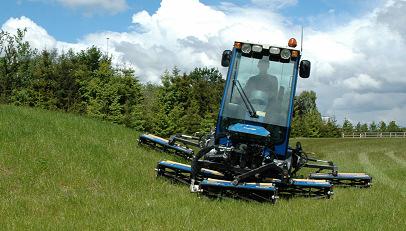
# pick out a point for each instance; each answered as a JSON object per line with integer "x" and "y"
{"x": 60, "y": 171}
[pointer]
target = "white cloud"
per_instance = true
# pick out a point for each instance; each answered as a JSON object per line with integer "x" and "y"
{"x": 37, "y": 35}
{"x": 188, "y": 34}
{"x": 274, "y": 3}
{"x": 362, "y": 81}
{"x": 111, "y": 6}
{"x": 357, "y": 68}
{"x": 368, "y": 107}
{"x": 369, "y": 102}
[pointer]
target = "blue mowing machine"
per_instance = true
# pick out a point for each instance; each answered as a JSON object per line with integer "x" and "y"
{"x": 248, "y": 155}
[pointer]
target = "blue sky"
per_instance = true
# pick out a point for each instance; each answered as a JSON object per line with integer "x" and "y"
{"x": 71, "y": 23}
{"x": 349, "y": 42}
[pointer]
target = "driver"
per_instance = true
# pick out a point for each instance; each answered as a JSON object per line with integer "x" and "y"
{"x": 262, "y": 82}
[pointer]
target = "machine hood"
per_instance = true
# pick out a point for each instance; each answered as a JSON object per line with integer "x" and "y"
{"x": 248, "y": 129}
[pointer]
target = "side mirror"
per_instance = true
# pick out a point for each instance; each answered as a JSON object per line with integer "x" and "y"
{"x": 304, "y": 69}
{"x": 225, "y": 59}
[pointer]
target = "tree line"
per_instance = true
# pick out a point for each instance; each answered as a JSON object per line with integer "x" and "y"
{"x": 87, "y": 83}
{"x": 348, "y": 127}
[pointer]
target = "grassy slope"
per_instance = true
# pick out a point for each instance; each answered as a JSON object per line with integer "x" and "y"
{"x": 70, "y": 172}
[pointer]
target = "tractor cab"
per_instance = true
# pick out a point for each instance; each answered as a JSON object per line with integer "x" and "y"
{"x": 257, "y": 102}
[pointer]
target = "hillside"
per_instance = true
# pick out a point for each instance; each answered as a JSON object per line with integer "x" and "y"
{"x": 69, "y": 172}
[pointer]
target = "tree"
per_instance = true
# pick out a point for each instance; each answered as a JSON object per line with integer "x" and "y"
{"x": 305, "y": 103}
{"x": 298, "y": 128}
{"x": 358, "y": 127}
{"x": 393, "y": 127}
{"x": 330, "y": 129}
{"x": 307, "y": 120}
{"x": 188, "y": 100}
{"x": 44, "y": 81}
{"x": 191, "y": 119}
{"x": 145, "y": 113}
{"x": 382, "y": 126}
{"x": 364, "y": 128}
{"x": 15, "y": 61}
{"x": 347, "y": 126}
{"x": 312, "y": 124}
{"x": 373, "y": 127}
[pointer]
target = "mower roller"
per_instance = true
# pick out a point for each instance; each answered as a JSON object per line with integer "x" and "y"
{"x": 248, "y": 154}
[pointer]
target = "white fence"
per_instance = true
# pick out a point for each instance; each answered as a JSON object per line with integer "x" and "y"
{"x": 374, "y": 135}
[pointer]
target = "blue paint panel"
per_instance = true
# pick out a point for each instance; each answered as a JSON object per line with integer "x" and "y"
{"x": 229, "y": 185}
{"x": 313, "y": 184}
{"x": 180, "y": 167}
{"x": 292, "y": 97}
{"x": 340, "y": 176}
{"x": 281, "y": 150}
{"x": 188, "y": 169}
{"x": 223, "y": 101}
{"x": 225, "y": 141}
{"x": 249, "y": 129}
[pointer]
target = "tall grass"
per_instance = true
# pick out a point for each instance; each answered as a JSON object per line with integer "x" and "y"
{"x": 60, "y": 171}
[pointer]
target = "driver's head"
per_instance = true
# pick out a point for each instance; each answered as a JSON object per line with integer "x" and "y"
{"x": 263, "y": 66}
{"x": 259, "y": 99}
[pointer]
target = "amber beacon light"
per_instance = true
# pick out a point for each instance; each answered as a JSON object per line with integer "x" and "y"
{"x": 292, "y": 42}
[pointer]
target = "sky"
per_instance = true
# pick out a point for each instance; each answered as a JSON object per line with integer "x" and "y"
{"x": 355, "y": 46}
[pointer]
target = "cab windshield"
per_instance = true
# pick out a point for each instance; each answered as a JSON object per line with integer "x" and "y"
{"x": 259, "y": 92}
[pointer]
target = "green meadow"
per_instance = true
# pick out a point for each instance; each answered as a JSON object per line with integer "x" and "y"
{"x": 66, "y": 172}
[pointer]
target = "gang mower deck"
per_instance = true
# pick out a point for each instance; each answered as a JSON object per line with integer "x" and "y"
{"x": 345, "y": 179}
{"x": 265, "y": 192}
{"x": 213, "y": 183}
{"x": 165, "y": 145}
